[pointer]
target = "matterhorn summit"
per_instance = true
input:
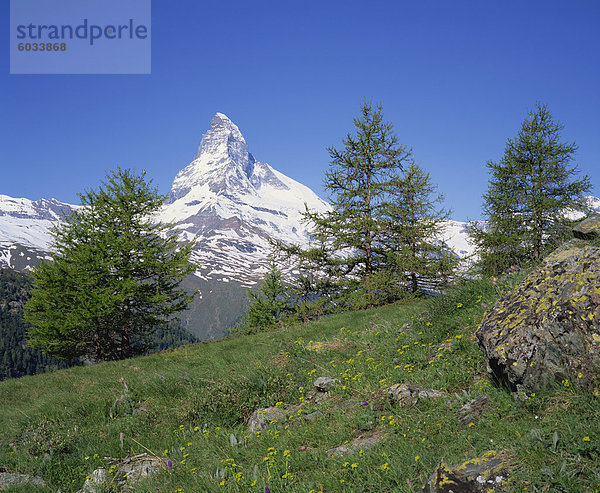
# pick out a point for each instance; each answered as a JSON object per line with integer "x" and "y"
{"x": 221, "y": 163}
{"x": 232, "y": 204}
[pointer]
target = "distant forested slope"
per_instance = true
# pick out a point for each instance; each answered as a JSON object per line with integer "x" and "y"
{"x": 17, "y": 359}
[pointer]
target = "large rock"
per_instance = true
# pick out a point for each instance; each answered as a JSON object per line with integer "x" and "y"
{"x": 547, "y": 330}
{"x": 261, "y": 418}
{"x": 8, "y": 480}
{"x": 589, "y": 228}
{"x": 482, "y": 474}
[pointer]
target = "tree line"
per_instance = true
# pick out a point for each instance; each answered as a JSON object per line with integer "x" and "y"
{"x": 384, "y": 234}
{"x": 114, "y": 279}
{"x": 17, "y": 359}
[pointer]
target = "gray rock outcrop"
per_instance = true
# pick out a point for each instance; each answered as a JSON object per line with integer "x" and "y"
{"x": 359, "y": 443}
{"x": 482, "y": 474}
{"x": 547, "y": 330}
{"x": 325, "y": 384}
{"x": 9, "y": 479}
{"x": 471, "y": 412}
{"x": 406, "y": 395}
{"x": 588, "y": 229}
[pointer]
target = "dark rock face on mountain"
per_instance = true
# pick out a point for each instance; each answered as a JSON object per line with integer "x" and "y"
{"x": 547, "y": 330}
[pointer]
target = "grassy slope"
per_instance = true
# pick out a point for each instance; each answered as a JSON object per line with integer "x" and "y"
{"x": 59, "y": 425}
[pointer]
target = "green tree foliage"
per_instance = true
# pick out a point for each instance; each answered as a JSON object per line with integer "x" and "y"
{"x": 114, "y": 277}
{"x": 171, "y": 336}
{"x": 16, "y": 358}
{"x": 414, "y": 223}
{"x": 362, "y": 249}
{"x": 269, "y": 304}
{"x": 530, "y": 191}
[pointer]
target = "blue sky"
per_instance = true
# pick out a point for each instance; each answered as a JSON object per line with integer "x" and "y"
{"x": 455, "y": 77}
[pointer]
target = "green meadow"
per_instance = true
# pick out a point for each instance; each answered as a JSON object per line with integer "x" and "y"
{"x": 190, "y": 406}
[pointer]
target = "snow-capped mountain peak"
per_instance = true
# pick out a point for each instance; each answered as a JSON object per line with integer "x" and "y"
{"x": 235, "y": 204}
{"x": 25, "y": 229}
{"x": 43, "y": 209}
{"x": 222, "y": 161}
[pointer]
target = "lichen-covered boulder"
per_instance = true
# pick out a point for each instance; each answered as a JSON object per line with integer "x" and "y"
{"x": 8, "y": 480}
{"x": 261, "y": 418}
{"x": 406, "y": 395}
{"x": 565, "y": 251}
{"x": 547, "y": 330}
{"x": 482, "y": 474}
{"x": 589, "y": 228}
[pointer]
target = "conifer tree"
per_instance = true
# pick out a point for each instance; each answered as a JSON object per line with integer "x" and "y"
{"x": 413, "y": 230}
{"x": 356, "y": 253}
{"x": 269, "y": 304}
{"x": 361, "y": 178}
{"x": 530, "y": 192}
{"x": 114, "y": 275}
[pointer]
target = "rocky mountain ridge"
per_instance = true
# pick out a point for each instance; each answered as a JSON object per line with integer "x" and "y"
{"x": 25, "y": 229}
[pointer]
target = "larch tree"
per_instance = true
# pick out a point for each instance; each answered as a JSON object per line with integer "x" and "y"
{"x": 114, "y": 275}
{"x": 269, "y": 304}
{"x": 415, "y": 224}
{"x": 352, "y": 259}
{"x": 532, "y": 190}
